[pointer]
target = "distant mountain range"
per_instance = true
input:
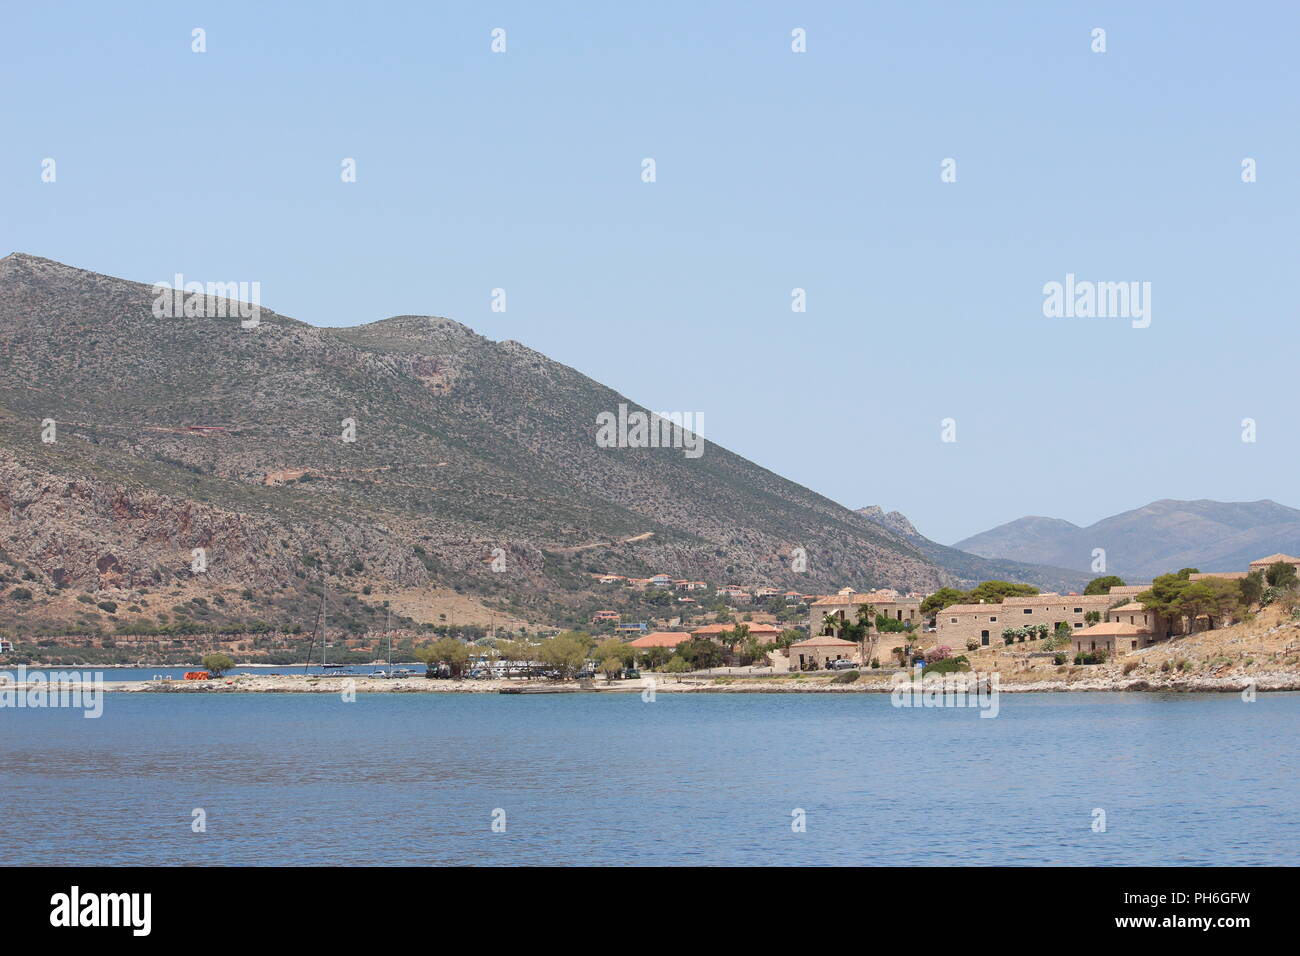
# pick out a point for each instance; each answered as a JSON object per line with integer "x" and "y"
{"x": 189, "y": 432}
{"x": 1163, "y": 536}
{"x": 971, "y": 568}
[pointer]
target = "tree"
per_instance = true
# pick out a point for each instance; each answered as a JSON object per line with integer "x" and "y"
{"x": 445, "y": 650}
{"x": 1281, "y": 575}
{"x": 1103, "y": 585}
{"x": 653, "y": 658}
{"x": 888, "y": 625}
{"x": 676, "y": 665}
{"x": 940, "y": 599}
{"x": 582, "y": 637}
{"x": 217, "y": 664}
{"x": 1195, "y": 599}
{"x": 1092, "y": 617}
{"x": 615, "y": 648}
{"x": 611, "y": 666}
{"x": 993, "y": 592}
{"x": 513, "y": 652}
{"x": 564, "y": 653}
{"x": 831, "y": 623}
{"x": 788, "y": 637}
{"x": 1224, "y": 602}
{"x": 1252, "y": 588}
{"x": 700, "y": 653}
{"x": 1162, "y": 598}
{"x": 734, "y": 636}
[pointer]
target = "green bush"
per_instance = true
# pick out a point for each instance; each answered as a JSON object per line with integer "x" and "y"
{"x": 21, "y": 594}
{"x": 949, "y": 665}
{"x": 848, "y": 677}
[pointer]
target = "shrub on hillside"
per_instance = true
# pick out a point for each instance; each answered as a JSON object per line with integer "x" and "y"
{"x": 948, "y": 665}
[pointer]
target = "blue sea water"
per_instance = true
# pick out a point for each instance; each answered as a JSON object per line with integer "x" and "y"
{"x": 687, "y": 779}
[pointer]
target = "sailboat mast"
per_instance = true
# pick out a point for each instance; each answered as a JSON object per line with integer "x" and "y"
{"x": 324, "y": 627}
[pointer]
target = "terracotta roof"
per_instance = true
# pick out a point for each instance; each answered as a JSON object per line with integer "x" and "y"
{"x": 1130, "y": 606}
{"x": 1114, "y": 629}
{"x": 1275, "y": 558}
{"x": 1039, "y": 600}
{"x": 968, "y": 609}
{"x": 660, "y": 639}
{"x": 862, "y": 597}
{"x": 754, "y": 628}
{"x": 824, "y": 642}
{"x": 1228, "y": 575}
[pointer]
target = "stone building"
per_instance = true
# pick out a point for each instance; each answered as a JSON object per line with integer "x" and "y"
{"x": 1114, "y": 638}
{"x": 984, "y": 623}
{"x": 814, "y": 653}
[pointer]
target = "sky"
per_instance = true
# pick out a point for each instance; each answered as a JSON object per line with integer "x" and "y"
{"x": 774, "y": 170}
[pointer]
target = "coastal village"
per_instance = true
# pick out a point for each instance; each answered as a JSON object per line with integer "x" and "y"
{"x": 734, "y": 632}
{"x": 892, "y": 628}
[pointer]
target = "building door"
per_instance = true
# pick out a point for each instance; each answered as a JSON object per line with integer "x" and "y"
{"x": 984, "y": 638}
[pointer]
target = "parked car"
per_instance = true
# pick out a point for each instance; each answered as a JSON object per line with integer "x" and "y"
{"x": 843, "y": 665}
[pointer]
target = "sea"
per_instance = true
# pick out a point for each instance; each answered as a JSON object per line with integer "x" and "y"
{"x": 1079, "y": 779}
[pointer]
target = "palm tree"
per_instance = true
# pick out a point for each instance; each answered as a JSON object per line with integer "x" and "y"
{"x": 866, "y": 615}
{"x": 831, "y": 623}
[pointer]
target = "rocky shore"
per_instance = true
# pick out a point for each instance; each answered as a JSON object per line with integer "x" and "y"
{"x": 664, "y": 684}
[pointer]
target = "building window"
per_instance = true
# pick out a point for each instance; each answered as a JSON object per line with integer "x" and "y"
{"x": 993, "y": 620}
{"x": 1029, "y": 610}
{"x": 1078, "y": 624}
{"x": 954, "y": 620}
{"x": 1078, "y": 610}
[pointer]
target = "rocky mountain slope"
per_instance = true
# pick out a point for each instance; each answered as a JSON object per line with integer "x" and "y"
{"x": 1162, "y": 536}
{"x": 174, "y": 434}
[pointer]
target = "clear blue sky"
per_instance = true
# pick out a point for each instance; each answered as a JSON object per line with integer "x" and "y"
{"x": 775, "y": 170}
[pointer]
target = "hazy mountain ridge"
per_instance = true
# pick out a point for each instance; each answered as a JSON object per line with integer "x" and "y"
{"x": 1161, "y": 536}
{"x": 970, "y": 568}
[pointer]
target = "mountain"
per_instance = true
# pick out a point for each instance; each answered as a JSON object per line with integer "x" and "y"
{"x": 1163, "y": 536}
{"x": 176, "y": 434}
{"x": 970, "y": 568}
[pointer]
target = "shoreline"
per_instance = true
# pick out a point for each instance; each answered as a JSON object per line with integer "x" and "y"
{"x": 1275, "y": 682}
